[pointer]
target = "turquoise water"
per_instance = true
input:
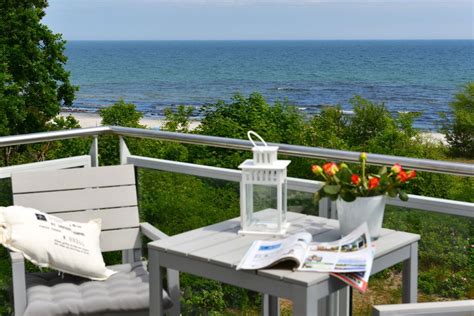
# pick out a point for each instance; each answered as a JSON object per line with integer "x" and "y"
{"x": 406, "y": 75}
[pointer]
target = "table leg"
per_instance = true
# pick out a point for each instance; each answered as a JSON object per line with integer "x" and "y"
{"x": 174, "y": 291}
{"x": 345, "y": 297}
{"x": 305, "y": 305}
{"x": 155, "y": 283}
{"x": 339, "y": 302}
{"x": 271, "y": 306}
{"x": 410, "y": 275}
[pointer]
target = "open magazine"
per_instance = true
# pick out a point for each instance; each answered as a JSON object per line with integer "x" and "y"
{"x": 349, "y": 258}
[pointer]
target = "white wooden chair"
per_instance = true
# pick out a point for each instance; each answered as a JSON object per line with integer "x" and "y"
{"x": 81, "y": 194}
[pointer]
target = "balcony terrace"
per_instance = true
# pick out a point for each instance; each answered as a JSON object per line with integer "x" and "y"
{"x": 300, "y": 190}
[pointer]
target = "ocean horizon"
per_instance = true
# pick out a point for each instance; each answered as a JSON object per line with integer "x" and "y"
{"x": 407, "y": 75}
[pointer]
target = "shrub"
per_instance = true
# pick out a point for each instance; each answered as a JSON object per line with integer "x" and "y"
{"x": 328, "y": 129}
{"x": 460, "y": 131}
{"x": 370, "y": 120}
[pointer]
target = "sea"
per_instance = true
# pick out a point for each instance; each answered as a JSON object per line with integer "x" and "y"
{"x": 406, "y": 75}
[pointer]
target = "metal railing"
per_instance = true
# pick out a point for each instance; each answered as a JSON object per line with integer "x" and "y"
{"x": 437, "y": 166}
{"x": 326, "y": 208}
{"x": 417, "y": 202}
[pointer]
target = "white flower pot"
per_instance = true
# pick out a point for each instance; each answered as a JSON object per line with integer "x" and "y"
{"x": 363, "y": 209}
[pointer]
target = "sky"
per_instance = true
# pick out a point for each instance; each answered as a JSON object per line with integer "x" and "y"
{"x": 260, "y": 19}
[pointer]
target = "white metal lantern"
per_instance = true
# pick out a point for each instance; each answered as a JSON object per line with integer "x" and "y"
{"x": 263, "y": 191}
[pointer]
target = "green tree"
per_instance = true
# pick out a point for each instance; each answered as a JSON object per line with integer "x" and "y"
{"x": 280, "y": 123}
{"x": 33, "y": 81}
{"x": 460, "y": 131}
{"x": 369, "y": 121}
{"x": 119, "y": 114}
{"x": 328, "y": 129}
{"x": 178, "y": 121}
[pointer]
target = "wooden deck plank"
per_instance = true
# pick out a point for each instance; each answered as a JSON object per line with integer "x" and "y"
{"x": 196, "y": 234}
{"x": 393, "y": 241}
{"x": 215, "y": 241}
{"x": 232, "y": 258}
{"x": 306, "y": 277}
{"x": 201, "y": 233}
{"x": 227, "y": 248}
{"x": 227, "y": 253}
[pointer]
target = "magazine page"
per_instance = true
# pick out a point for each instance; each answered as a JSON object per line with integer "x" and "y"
{"x": 265, "y": 253}
{"x": 352, "y": 253}
{"x": 358, "y": 280}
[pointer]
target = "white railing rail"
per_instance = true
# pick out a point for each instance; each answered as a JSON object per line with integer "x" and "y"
{"x": 416, "y": 202}
{"x": 429, "y": 165}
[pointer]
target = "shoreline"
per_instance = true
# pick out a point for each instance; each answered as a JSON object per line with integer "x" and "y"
{"x": 89, "y": 119}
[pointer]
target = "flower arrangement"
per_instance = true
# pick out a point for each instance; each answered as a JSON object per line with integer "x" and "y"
{"x": 342, "y": 182}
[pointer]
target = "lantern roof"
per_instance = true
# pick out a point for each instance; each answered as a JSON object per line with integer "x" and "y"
{"x": 250, "y": 164}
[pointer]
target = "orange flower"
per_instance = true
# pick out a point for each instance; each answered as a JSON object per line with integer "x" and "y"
{"x": 373, "y": 183}
{"x": 411, "y": 174}
{"x": 355, "y": 179}
{"x": 396, "y": 168}
{"x": 316, "y": 169}
{"x": 330, "y": 168}
{"x": 402, "y": 176}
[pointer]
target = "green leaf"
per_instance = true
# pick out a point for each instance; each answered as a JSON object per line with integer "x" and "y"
{"x": 332, "y": 189}
{"x": 403, "y": 195}
{"x": 392, "y": 192}
{"x": 383, "y": 170}
{"x": 316, "y": 197}
{"x": 348, "y": 196}
{"x": 345, "y": 175}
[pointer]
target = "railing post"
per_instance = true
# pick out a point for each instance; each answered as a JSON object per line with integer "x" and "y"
{"x": 333, "y": 210}
{"x": 94, "y": 151}
{"x": 124, "y": 152}
{"x": 129, "y": 255}
{"x": 324, "y": 207}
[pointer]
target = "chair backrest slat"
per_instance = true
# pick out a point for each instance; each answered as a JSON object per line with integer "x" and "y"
{"x": 77, "y": 200}
{"x": 112, "y": 218}
{"x": 68, "y": 179}
{"x": 82, "y": 194}
{"x": 120, "y": 239}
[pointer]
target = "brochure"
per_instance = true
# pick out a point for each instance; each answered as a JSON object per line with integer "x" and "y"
{"x": 349, "y": 258}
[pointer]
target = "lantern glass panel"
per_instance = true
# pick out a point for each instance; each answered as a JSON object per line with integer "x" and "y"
{"x": 262, "y": 198}
{"x": 284, "y": 201}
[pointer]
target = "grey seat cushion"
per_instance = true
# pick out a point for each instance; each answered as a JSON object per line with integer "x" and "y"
{"x": 126, "y": 291}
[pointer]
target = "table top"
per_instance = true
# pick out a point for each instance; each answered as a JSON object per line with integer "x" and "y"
{"x": 220, "y": 244}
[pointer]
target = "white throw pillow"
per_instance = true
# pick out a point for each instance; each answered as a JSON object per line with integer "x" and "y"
{"x": 51, "y": 242}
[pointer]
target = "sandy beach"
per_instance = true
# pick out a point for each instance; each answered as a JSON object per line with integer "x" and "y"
{"x": 93, "y": 120}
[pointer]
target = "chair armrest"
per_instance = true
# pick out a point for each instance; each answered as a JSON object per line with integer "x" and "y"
{"x": 152, "y": 232}
{"x": 16, "y": 257}
{"x": 19, "y": 282}
{"x": 174, "y": 292}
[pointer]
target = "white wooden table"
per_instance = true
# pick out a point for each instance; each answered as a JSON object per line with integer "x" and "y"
{"x": 214, "y": 251}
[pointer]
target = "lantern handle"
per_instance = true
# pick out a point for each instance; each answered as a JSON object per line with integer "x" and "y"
{"x": 249, "y": 135}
